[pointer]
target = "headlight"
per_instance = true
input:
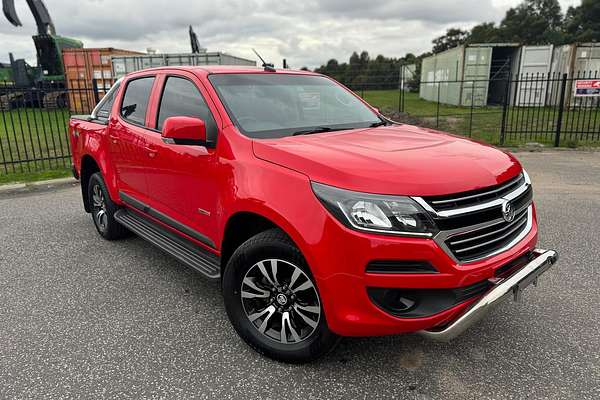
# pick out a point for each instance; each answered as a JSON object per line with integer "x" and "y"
{"x": 396, "y": 215}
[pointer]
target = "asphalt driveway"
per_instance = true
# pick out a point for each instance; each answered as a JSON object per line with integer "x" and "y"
{"x": 82, "y": 317}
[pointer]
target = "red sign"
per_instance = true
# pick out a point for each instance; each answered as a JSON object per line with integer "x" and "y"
{"x": 587, "y": 88}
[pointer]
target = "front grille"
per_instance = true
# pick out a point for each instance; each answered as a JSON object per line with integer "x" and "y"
{"x": 474, "y": 197}
{"x": 478, "y": 243}
{"x": 472, "y": 225}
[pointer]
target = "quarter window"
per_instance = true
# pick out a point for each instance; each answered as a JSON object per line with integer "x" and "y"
{"x": 104, "y": 107}
{"x": 181, "y": 98}
{"x": 135, "y": 100}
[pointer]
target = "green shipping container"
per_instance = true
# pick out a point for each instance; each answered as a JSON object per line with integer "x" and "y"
{"x": 469, "y": 75}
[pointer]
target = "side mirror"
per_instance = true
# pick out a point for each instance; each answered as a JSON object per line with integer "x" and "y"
{"x": 184, "y": 130}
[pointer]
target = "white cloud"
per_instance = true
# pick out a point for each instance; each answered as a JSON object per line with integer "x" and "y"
{"x": 307, "y": 33}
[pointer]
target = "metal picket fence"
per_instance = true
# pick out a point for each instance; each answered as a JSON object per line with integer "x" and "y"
{"x": 504, "y": 109}
{"x": 507, "y": 110}
{"x": 34, "y": 124}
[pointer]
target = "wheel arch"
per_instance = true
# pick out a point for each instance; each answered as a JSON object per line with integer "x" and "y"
{"x": 242, "y": 225}
{"x": 89, "y": 166}
{"x": 92, "y": 162}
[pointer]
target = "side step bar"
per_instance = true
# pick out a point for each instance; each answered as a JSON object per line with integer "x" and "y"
{"x": 188, "y": 253}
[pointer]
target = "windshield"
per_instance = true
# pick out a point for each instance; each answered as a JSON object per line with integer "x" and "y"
{"x": 277, "y": 105}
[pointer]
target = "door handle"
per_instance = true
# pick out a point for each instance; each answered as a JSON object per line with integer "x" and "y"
{"x": 151, "y": 151}
{"x": 113, "y": 138}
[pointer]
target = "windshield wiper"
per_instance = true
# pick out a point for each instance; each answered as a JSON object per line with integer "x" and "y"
{"x": 317, "y": 129}
{"x": 321, "y": 129}
{"x": 376, "y": 124}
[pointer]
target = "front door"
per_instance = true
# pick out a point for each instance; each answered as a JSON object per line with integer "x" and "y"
{"x": 181, "y": 179}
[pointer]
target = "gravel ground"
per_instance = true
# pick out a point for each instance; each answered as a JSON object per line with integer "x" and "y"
{"x": 82, "y": 317}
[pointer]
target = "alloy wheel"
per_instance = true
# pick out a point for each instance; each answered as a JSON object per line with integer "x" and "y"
{"x": 281, "y": 301}
{"x": 99, "y": 208}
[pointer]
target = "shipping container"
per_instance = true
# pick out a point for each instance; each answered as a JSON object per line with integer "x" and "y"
{"x": 575, "y": 60}
{"x": 122, "y": 65}
{"x": 469, "y": 75}
{"x": 441, "y": 75}
{"x": 82, "y": 66}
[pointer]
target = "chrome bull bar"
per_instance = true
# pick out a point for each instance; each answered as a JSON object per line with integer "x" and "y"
{"x": 513, "y": 285}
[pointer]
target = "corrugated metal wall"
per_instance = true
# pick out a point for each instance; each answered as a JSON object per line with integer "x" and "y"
{"x": 587, "y": 59}
{"x": 575, "y": 60}
{"x": 532, "y": 76}
{"x": 478, "y": 62}
{"x": 84, "y": 65}
{"x": 124, "y": 65}
{"x": 441, "y": 75}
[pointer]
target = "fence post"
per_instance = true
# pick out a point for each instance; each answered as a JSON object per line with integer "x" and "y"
{"x": 437, "y": 112}
{"x": 561, "y": 109}
{"x": 401, "y": 85}
{"x": 472, "y": 109}
{"x": 505, "y": 111}
{"x": 95, "y": 89}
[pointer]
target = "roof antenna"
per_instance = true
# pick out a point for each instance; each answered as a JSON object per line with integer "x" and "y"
{"x": 267, "y": 66}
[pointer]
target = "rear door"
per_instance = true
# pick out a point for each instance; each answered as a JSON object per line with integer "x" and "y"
{"x": 128, "y": 134}
{"x": 182, "y": 179}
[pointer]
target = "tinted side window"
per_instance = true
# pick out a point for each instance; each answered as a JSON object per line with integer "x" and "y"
{"x": 135, "y": 101}
{"x": 181, "y": 98}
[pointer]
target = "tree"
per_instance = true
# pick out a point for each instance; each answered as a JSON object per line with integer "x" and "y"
{"x": 454, "y": 37}
{"x": 363, "y": 72}
{"x": 486, "y": 32}
{"x": 409, "y": 58}
{"x": 533, "y": 22}
{"x": 582, "y": 24}
{"x": 354, "y": 59}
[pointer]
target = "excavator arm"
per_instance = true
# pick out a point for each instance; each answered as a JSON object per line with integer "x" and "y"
{"x": 44, "y": 23}
{"x": 194, "y": 41}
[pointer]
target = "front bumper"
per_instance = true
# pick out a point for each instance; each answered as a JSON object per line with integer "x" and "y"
{"x": 512, "y": 285}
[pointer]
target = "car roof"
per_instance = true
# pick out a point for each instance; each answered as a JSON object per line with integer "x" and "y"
{"x": 226, "y": 69}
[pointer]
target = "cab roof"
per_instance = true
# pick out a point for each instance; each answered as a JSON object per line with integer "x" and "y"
{"x": 228, "y": 69}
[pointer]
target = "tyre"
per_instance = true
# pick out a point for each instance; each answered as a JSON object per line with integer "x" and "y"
{"x": 273, "y": 302}
{"x": 103, "y": 210}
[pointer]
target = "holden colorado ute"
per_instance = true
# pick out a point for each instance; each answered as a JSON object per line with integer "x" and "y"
{"x": 319, "y": 217}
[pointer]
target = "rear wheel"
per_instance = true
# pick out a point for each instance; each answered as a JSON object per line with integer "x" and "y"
{"x": 273, "y": 302}
{"x": 103, "y": 210}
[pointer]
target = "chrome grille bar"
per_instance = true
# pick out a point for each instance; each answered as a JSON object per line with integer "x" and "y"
{"x": 518, "y": 219}
{"x": 526, "y": 182}
{"x": 505, "y": 186}
{"x": 505, "y": 235}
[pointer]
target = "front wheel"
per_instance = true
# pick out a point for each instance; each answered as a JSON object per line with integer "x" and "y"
{"x": 273, "y": 302}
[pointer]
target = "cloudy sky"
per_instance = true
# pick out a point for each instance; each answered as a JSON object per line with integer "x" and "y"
{"x": 307, "y": 33}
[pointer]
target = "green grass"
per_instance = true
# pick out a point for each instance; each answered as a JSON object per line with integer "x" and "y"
{"x": 524, "y": 123}
{"x": 25, "y": 177}
{"x": 33, "y": 133}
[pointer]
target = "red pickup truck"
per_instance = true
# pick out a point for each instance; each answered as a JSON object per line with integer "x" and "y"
{"x": 320, "y": 217}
